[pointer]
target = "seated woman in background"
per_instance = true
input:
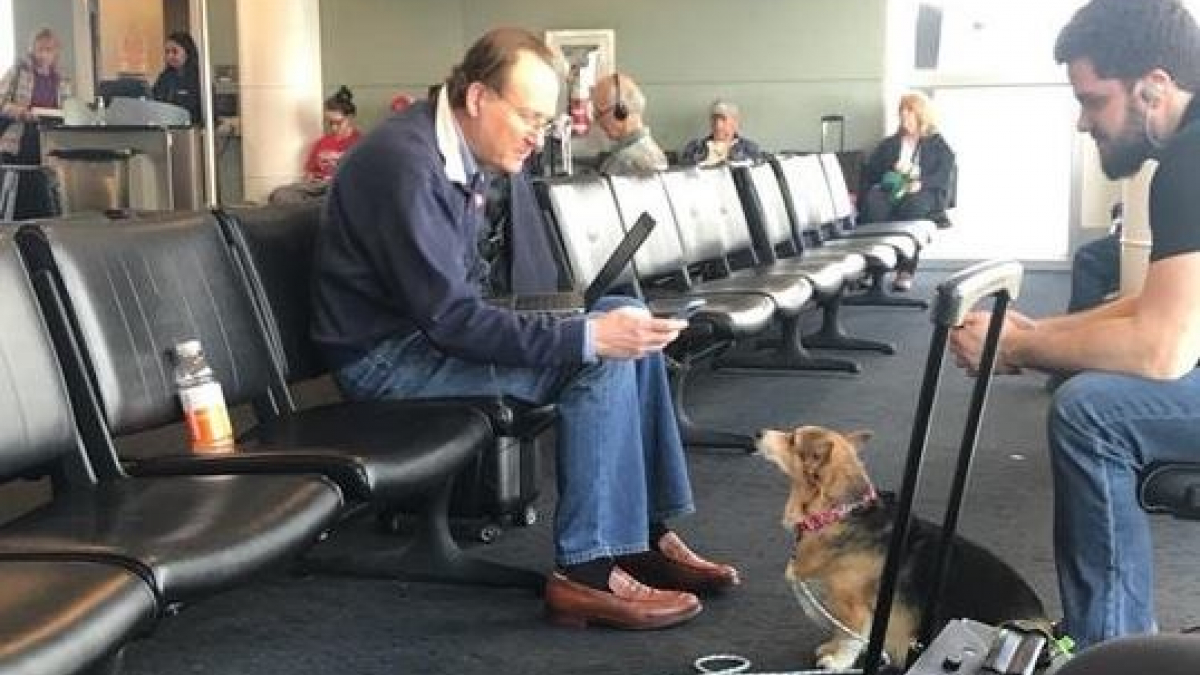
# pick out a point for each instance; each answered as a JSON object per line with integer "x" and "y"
{"x": 339, "y": 136}
{"x": 179, "y": 81}
{"x": 326, "y": 152}
{"x": 907, "y": 176}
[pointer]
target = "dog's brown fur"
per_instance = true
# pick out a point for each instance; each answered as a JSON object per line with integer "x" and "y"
{"x": 843, "y": 561}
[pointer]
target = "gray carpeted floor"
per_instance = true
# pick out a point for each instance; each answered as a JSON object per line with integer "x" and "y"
{"x": 332, "y": 626}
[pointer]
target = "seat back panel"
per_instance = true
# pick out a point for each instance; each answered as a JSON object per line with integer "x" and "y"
{"x": 662, "y": 254}
{"x": 134, "y": 290}
{"x": 280, "y": 241}
{"x": 38, "y": 426}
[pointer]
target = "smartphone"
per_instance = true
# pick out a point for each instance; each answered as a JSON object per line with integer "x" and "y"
{"x": 685, "y": 311}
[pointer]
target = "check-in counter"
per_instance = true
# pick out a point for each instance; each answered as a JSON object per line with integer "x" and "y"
{"x": 157, "y": 167}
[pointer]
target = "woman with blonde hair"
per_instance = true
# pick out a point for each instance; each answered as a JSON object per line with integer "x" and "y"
{"x": 908, "y": 175}
{"x": 28, "y": 88}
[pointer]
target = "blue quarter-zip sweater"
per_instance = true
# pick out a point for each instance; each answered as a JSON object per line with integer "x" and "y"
{"x": 397, "y": 254}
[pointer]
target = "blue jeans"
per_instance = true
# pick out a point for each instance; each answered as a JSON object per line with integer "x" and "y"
{"x": 1104, "y": 428}
{"x": 620, "y": 460}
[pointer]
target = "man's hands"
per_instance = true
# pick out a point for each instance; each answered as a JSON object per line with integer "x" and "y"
{"x": 966, "y": 341}
{"x": 631, "y": 332}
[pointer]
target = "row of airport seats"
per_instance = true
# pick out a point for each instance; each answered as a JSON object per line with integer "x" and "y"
{"x": 761, "y": 243}
{"x": 91, "y": 309}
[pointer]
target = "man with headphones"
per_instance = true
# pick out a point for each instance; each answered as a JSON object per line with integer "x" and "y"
{"x": 1134, "y": 397}
{"x": 618, "y": 106}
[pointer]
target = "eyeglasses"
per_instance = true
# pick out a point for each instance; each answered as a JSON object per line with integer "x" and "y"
{"x": 534, "y": 121}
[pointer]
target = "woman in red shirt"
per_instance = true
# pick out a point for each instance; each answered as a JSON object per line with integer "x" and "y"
{"x": 341, "y": 134}
{"x": 323, "y": 158}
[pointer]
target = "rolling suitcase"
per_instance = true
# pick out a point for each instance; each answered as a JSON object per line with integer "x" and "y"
{"x": 964, "y": 646}
{"x": 833, "y": 139}
{"x": 499, "y": 488}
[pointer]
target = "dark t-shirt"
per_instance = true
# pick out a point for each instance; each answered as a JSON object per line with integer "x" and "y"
{"x": 1174, "y": 197}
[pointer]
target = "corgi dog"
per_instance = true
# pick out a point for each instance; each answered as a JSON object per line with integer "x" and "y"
{"x": 843, "y": 527}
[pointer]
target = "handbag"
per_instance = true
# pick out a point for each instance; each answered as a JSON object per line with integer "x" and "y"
{"x": 895, "y": 185}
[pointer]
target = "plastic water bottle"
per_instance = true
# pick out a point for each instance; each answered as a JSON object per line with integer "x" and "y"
{"x": 202, "y": 400}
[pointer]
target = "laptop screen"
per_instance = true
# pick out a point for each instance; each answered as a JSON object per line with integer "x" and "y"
{"x": 621, "y": 256}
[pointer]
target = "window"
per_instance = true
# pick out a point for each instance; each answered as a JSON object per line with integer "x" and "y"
{"x": 1006, "y": 109}
{"x": 1007, "y": 41}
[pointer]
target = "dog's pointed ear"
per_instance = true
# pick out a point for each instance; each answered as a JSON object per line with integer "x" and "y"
{"x": 859, "y": 439}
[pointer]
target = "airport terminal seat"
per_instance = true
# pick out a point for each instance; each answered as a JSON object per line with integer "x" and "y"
{"x": 1162, "y": 654}
{"x": 922, "y": 230}
{"x": 792, "y": 294}
{"x": 59, "y": 616}
{"x": 181, "y": 538}
{"x": 774, "y": 222}
{"x": 1171, "y": 487}
{"x": 589, "y": 224}
{"x": 831, "y": 206}
{"x": 127, "y": 291}
{"x": 274, "y": 246}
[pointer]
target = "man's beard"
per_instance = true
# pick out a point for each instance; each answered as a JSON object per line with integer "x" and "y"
{"x": 1122, "y": 155}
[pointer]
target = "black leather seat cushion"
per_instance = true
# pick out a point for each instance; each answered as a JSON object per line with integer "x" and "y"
{"x": 1171, "y": 487}
{"x": 58, "y": 615}
{"x": 920, "y": 231}
{"x": 1162, "y": 654}
{"x": 789, "y": 293}
{"x": 904, "y": 246}
{"x": 826, "y": 279}
{"x": 731, "y": 316}
{"x": 187, "y": 535}
{"x": 375, "y": 450}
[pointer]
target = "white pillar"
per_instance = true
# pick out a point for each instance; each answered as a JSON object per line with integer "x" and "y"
{"x": 1135, "y": 234}
{"x": 279, "y": 72}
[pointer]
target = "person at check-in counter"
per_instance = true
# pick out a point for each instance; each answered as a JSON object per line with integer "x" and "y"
{"x": 179, "y": 81}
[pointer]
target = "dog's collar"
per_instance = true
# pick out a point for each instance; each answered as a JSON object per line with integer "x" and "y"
{"x": 818, "y": 521}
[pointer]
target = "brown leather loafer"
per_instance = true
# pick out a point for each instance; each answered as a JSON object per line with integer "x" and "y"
{"x": 630, "y": 605}
{"x": 676, "y": 566}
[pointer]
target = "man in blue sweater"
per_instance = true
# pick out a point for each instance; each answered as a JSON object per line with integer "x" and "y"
{"x": 402, "y": 276}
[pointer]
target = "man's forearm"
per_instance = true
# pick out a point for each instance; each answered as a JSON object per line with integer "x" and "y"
{"x": 1107, "y": 338}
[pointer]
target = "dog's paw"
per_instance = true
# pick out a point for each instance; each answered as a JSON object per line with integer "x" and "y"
{"x": 838, "y": 654}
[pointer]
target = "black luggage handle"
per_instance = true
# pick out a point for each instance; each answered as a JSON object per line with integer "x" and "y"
{"x": 835, "y": 122}
{"x": 964, "y": 289}
{"x": 956, "y": 296}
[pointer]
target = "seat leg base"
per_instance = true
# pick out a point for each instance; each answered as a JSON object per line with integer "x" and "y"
{"x": 432, "y": 555}
{"x": 832, "y": 334}
{"x": 695, "y": 435}
{"x": 787, "y": 354}
{"x": 834, "y": 338}
{"x": 786, "y": 360}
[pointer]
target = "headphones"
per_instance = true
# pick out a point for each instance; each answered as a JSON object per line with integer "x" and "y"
{"x": 620, "y": 111}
